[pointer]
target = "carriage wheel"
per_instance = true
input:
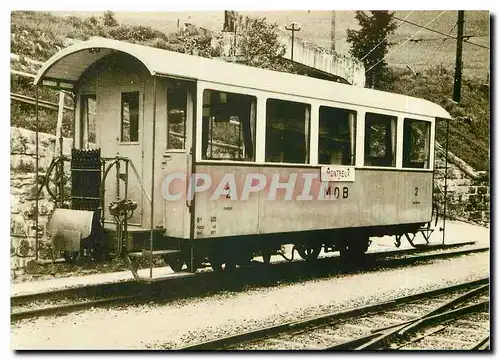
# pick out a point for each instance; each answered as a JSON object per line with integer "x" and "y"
{"x": 355, "y": 249}
{"x": 266, "y": 256}
{"x": 230, "y": 266}
{"x": 308, "y": 252}
{"x": 215, "y": 263}
{"x": 174, "y": 261}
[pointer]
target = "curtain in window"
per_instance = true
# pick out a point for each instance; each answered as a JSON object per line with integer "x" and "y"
{"x": 427, "y": 145}
{"x": 352, "y": 135}
{"x": 393, "y": 139}
{"x": 306, "y": 131}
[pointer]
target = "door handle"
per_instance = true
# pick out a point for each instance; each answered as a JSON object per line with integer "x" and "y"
{"x": 166, "y": 158}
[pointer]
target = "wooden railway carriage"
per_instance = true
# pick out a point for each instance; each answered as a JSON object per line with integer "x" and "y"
{"x": 225, "y": 160}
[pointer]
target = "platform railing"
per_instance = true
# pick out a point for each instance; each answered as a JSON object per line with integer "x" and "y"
{"x": 108, "y": 163}
{"x": 116, "y": 162}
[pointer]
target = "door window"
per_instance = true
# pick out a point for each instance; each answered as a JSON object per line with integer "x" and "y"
{"x": 130, "y": 116}
{"x": 88, "y": 112}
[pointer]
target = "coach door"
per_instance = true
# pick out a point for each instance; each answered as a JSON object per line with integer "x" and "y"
{"x": 122, "y": 135}
{"x": 177, "y": 159}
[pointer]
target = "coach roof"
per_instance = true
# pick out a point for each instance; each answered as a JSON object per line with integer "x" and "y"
{"x": 70, "y": 63}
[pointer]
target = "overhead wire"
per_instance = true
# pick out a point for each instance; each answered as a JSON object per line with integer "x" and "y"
{"x": 408, "y": 39}
{"x": 442, "y": 33}
{"x": 376, "y": 46}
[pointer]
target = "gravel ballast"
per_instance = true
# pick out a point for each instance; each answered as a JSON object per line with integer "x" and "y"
{"x": 187, "y": 321}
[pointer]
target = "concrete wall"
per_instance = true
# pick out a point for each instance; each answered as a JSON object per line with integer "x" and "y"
{"x": 306, "y": 53}
{"x": 312, "y": 55}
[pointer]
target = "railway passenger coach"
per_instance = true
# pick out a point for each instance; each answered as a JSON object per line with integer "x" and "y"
{"x": 202, "y": 161}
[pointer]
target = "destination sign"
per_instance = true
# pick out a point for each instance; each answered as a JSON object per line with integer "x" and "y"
{"x": 337, "y": 173}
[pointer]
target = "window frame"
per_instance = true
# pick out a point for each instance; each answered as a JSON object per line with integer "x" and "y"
{"x": 83, "y": 126}
{"x": 254, "y": 102}
{"x": 186, "y": 115}
{"x": 428, "y": 149}
{"x": 307, "y": 132}
{"x": 353, "y": 137}
{"x": 139, "y": 115}
{"x": 198, "y": 118}
{"x": 394, "y": 125}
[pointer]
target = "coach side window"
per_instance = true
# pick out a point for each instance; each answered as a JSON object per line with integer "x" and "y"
{"x": 416, "y": 143}
{"x": 337, "y": 131}
{"x": 380, "y": 140}
{"x": 287, "y": 131}
{"x": 228, "y": 126}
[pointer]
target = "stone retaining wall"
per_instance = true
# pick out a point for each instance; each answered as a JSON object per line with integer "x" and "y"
{"x": 468, "y": 196}
{"x": 23, "y": 191}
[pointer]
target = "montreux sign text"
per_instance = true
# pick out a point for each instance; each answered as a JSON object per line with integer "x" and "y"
{"x": 337, "y": 173}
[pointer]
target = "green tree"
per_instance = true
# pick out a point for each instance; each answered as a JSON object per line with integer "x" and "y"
{"x": 370, "y": 44}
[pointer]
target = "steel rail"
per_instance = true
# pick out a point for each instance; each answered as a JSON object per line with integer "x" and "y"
{"x": 435, "y": 316}
{"x": 421, "y": 324}
{"x": 260, "y": 334}
{"x": 66, "y": 308}
{"x": 96, "y": 289}
{"x": 135, "y": 288}
{"x": 483, "y": 344}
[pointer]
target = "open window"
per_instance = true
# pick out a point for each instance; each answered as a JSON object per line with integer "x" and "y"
{"x": 287, "y": 131}
{"x": 416, "y": 143}
{"x": 336, "y": 136}
{"x": 380, "y": 140}
{"x": 228, "y": 126}
{"x": 130, "y": 117}
{"x": 88, "y": 112}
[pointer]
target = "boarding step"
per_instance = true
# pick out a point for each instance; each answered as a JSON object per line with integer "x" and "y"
{"x": 425, "y": 229}
{"x": 110, "y": 227}
{"x": 146, "y": 253}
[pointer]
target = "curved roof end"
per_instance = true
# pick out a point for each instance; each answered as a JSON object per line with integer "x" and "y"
{"x": 67, "y": 65}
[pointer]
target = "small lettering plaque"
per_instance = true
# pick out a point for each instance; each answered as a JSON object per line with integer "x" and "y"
{"x": 337, "y": 173}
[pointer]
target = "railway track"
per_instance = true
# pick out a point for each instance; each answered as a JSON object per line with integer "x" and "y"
{"x": 454, "y": 317}
{"x": 69, "y": 300}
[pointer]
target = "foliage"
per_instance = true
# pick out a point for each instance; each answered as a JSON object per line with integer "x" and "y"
{"x": 194, "y": 42}
{"x": 108, "y": 19}
{"x": 259, "y": 45}
{"x": 370, "y": 44}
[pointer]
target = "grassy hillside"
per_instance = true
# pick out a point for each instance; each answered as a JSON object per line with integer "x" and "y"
{"x": 468, "y": 139}
{"x": 39, "y": 35}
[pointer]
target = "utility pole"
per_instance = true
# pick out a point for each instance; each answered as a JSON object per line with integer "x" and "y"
{"x": 332, "y": 32}
{"x": 230, "y": 26}
{"x": 293, "y": 27}
{"x": 457, "y": 84}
